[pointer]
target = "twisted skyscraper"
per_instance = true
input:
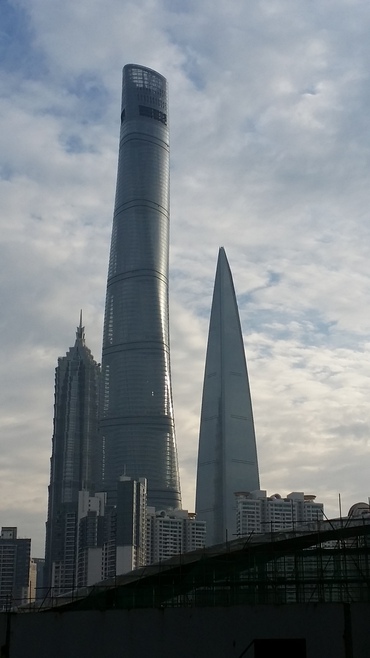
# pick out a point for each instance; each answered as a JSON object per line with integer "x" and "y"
{"x": 137, "y": 421}
{"x": 227, "y": 458}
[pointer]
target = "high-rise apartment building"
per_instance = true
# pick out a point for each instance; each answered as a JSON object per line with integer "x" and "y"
{"x": 114, "y": 540}
{"x": 137, "y": 421}
{"x": 75, "y": 459}
{"x": 15, "y": 555}
{"x": 91, "y": 529}
{"x": 172, "y": 533}
{"x": 227, "y": 458}
{"x": 257, "y": 513}
{"x": 39, "y": 563}
{"x": 131, "y": 524}
{"x": 111, "y": 539}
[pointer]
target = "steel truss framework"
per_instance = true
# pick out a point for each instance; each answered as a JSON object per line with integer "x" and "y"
{"x": 329, "y": 564}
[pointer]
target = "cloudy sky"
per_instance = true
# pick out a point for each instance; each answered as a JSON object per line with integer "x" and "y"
{"x": 270, "y": 158}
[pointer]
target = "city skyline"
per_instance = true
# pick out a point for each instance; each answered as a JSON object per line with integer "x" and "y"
{"x": 270, "y": 153}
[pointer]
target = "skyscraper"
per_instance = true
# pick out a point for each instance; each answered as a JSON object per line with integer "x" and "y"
{"x": 137, "y": 421}
{"x": 227, "y": 458}
{"x": 75, "y": 459}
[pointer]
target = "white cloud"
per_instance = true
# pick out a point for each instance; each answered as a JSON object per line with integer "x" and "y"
{"x": 270, "y": 158}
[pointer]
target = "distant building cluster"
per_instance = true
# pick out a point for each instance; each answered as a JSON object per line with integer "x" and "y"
{"x": 115, "y": 539}
{"x": 114, "y": 494}
{"x": 257, "y": 513}
{"x": 93, "y": 535}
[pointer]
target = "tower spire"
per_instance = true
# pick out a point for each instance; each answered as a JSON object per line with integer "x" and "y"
{"x": 80, "y": 333}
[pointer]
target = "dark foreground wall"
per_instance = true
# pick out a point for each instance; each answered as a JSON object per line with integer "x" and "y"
{"x": 330, "y": 631}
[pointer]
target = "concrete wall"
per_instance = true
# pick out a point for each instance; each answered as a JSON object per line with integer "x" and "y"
{"x": 331, "y": 631}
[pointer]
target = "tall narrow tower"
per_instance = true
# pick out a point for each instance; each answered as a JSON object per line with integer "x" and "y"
{"x": 137, "y": 421}
{"x": 75, "y": 459}
{"x": 227, "y": 458}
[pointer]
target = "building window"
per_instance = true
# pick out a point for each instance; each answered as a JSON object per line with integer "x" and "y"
{"x": 151, "y": 112}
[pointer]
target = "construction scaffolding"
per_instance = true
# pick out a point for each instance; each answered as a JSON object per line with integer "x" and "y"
{"x": 325, "y": 563}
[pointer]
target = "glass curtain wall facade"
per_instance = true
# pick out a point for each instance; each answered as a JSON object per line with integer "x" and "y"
{"x": 75, "y": 460}
{"x": 137, "y": 421}
{"x": 227, "y": 457}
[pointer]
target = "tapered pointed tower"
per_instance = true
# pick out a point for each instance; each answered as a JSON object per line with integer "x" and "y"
{"x": 227, "y": 458}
